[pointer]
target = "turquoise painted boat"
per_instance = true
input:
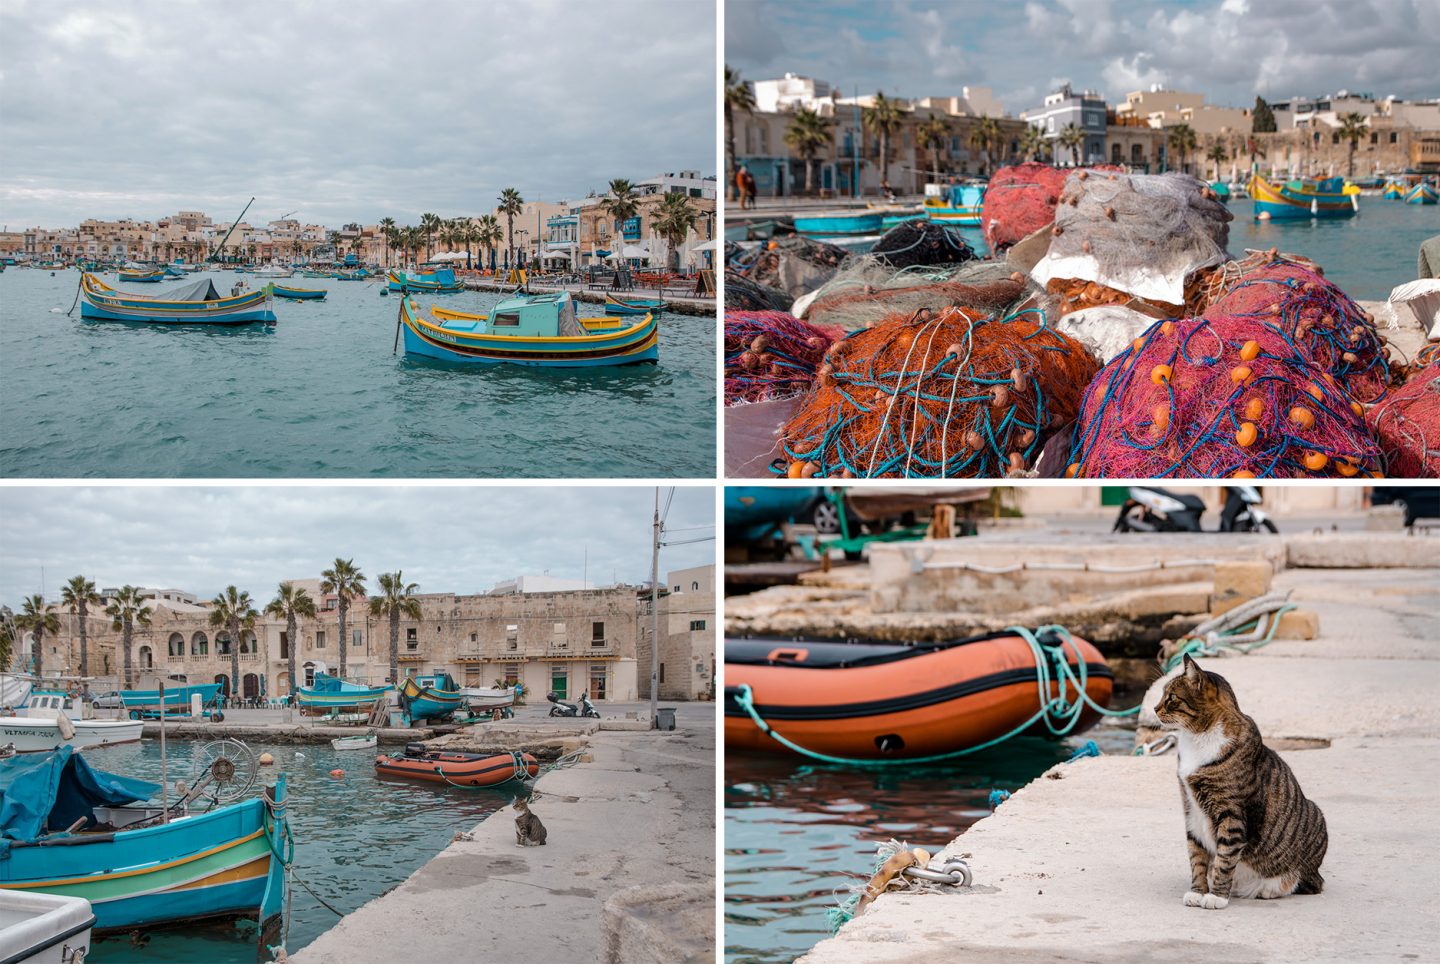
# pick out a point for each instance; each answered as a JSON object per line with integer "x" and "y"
{"x": 1394, "y": 191}
{"x": 430, "y": 697}
{"x": 632, "y": 306}
{"x": 1222, "y": 191}
{"x": 331, "y": 693}
{"x": 227, "y": 863}
{"x": 1420, "y": 194}
{"x": 439, "y": 282}
{"x": 831, "y": 225}
{"x": 957, "y": 204}
{"x": 148, "y": 704}
{"x": 361, "y": 275}
{"x": 1303, "y": 199}
{"x": 148, "y": 277}
{"x": 298, "y": 294}
{"x": 538, "y": 330}
{"x": 197, "y": 303}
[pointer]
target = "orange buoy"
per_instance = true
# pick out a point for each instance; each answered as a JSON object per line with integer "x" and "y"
{"x": 1247, "y": 435}
{"x": 337, "y": 773}
{"x": 1346, "y": 468}
{"x": 1167, "y": 327}
{"x": 1255, "y": 408}
{"x": 1072, "y": 470}
{"x": 1302, "y": 416}
{"x": 1355, "y": 407}
{"x": 793, "y": 472}
{"x": 1160, "y": 374}
{"x": 1242, "y": 474}
{"x": 1138, "y": 344}
{"x": 1240, "y": 374}
{"x": 1250, "y": 350}
{"x": 1315, "y": 391}
{"x": 1315, "y": 461}
{"x": 808, "y": 470}
{"x": 1160, "y": 414}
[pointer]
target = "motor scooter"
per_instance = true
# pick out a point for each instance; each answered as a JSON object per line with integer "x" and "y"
{"x": 561, "y": 708}
{"x": 1153, "y": 509}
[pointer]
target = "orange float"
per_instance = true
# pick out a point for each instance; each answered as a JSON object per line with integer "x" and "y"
{"x": 1247, "y": 435}
{"x": 1160, "y": 374}
{"x": 873, "y": 700}
{"x": 1302, "y": 416}
{"x": 465, "y": 769}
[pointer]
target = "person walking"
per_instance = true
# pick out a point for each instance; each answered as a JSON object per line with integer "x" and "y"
{"x": 741, "y": 174}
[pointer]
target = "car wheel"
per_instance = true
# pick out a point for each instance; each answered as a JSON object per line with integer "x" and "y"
{"x": 134, "y": 714}
{"x": 826, "y": 517}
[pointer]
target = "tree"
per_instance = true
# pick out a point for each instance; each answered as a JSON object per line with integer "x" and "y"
{"x": 934, "y": 136}
{"x": 673, "y": 221}
{"x": 396, "y": 598}
{"x": 387, "y": 228}
{"x": 985, "y": 136}
{"x": 490, "y": 234}
{"x": 884, "y": 118}
{"x": 1353, "y": 126}
{"x": 1262, "y": 118}
{"x": 511, "y": 204}
{"x": 739, "y": 96}
{"x": 620, "y": 203}
{"x": 1182, "y": 138}
{"x": 77, "y": 595}
{"x": 1217, "y": 155}
{"x": 807, "y": 134}
{"x": 127, "y": 607}
{"x": 234, "y": 611}
{"x": 429, "y": 223}
{"x": 1032, "y": 142}
{"x": 289, "y": 604}
{"x": 37, "y": 617}
{"x": 1073, "y": 138}
{"x": 7, "y": 644}
{"x": 347, "y": 582}
{"x": 334, "y": 238}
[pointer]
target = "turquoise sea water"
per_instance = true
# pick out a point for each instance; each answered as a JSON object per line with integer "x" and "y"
{"x": 319, "y": 394}
{"x": 356, "y": 837}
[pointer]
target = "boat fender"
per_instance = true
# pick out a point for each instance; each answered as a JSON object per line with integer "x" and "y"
{"x": 266, "y": 760}
{"x": 337, "y": 773}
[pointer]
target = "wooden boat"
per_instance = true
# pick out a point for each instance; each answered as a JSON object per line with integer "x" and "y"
{"x": 1421, "y": 193}
{"x": 439, "y": 282}
{"x": 871, "y": 700}
{"x": 464, "y": 769}
{"x": 138, "y": 872}
{"x": 366, "y": 741}
{"x": 332, "y": 694}
{"x": 298, "y": 294}
{"x": 148, "y": 277}
{"x": 1294, "y": 200}
{"x": 486, "y": 698}
{"x": 46, "y": 723}
{"x": 957, "y": 204}
{"x": 632, "y": 306}
{"x": 838, "y": 223}
{"x": 539, "y": 330}
{"x": 274, "y": 271}
{"x": 1393, "y": 191}
{"x": 197, "y": 303}
{"x": 430, "y": 697}
{"x": 361, "y": 275}
{"x": 44, "y": 928}
{"x": 147, "y": 704}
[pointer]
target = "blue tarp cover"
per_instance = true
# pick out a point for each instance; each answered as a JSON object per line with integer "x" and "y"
{"x": 42, "y": 792}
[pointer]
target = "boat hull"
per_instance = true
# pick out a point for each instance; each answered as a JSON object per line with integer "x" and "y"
{"x": 885, "y": 701}
{"x": 824, "y": 225}
{"x": 465, "y": 769}
{"x": 298, "y": 294}
{"x": 398, "y": 281}
{"x": 1282, "y": 202}
{"x": 102, "y": 303}
{"x": 36, "y": 736}
{"x": 1421, "y": 194}
{"x": 630, "y": 346}
{"x": 427, "y": 702}
{"x": 638, "y": 306}
{"x": 342, "y": 699}
{"x": 354, "y": 742}
{"x": 485, "y": 698}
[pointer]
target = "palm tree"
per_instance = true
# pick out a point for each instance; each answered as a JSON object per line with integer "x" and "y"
{"x": 1032, "y": 142}
{"x": 511, "y": 204}
{"x": 490, "y": 234}
{"x": 414, "y": 241}
{"x": 347, "y": 582}
{"x": 1352, "y": 128}
{"x": 37, "y": 618}
{"x": 884, "y": 118}
{"x": 334, "y": 238}
{"x": 673, "y": 221}
{"x": 290, "y": 603}
{"x": 739, "y": 96}
{"x": 470, "y": 235}
{"x": 387, "y": 228}
{"x": 1182, "y": 139}
{"x": 1072, "y": 137}
{"x": 1217, "y": 155}
{"x": 233, "y": 610}
{"x": 396, "y": 598}
{"x": 807, "y": 134}
{"x": 621, "y": 202}
{"x": 933, "y": 136}
{"x": 986, "y": 135}
{"x": 7, "y": 644}
{"x": 77, "y": 595}
{"x": 429, "y": 223}
{"x": 127, "y": 607}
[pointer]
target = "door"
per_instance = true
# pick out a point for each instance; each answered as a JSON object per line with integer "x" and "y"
{"x": 250, "y": 686}
{"x": 224, "y": 682}
{"x": 597, "y": 681}
{"x": 560, "y": 681}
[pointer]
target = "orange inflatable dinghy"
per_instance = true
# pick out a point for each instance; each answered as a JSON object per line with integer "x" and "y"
{"x": 861, "y": 700}
{"x": 465, "y": 769}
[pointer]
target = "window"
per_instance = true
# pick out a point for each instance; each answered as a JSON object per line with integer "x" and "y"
{"x": 354, "y": 639}
{"x": 411, "y": 640}
{"x": 662, "y": 672}
{"x": 696, "y": 625}
{"x": 512, "y": 673}
{"x": 557, "y": 636}
{"x": 694, "y": 587}
{"x": 507, "y": 319}
{"x": 1394, "y": 137}
{"x": 474, "y": 637}
{"x": 176, "y": 647}
{"x": 597, "y": 634}
{"x": 1374, "y": 138}
{"x": 1334, "y": 138}
{"x": 512, "y": 637}
{"x": 319, "y": 639}
{"x": 199, "y": 645}
{"x": 284, "y": 645}
{"x": 559, "y": 681}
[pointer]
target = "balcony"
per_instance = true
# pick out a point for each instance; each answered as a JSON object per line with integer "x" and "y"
{"x": 411, "y": 657}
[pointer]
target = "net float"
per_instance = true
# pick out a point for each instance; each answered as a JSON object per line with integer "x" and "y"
{"x": 1250, "y": 351}
{"x": 1254, "y": 408}
{"x": 1242, "y": 474}
{"x": 1247, "y": 435}
{"x": 1160, "y": 415}
{"x": 1302, "y": 416}
{"x": 760, "y": 343}
{"x": 808, "y": 470}
{"x": 794, "y": 470}
{"x": 1240, "y": 374}
{"x": 973, "y": 439}
{"x": 1315, "y": 461}
{"x": 1346, "y": 468}
{"x": 1160, "y": 374}
{"x": 999, "y": 396}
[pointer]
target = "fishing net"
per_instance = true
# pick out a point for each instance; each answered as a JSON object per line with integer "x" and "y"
{"x": 745, "y": 295}
{"x": 769, "y": 354}
{"x": 794, "y": 264}
{"x": 867, "y": 291}
{"x": 920, "y": 241}
{"x": 1407, "y": 426}
{"x": 1019, "y": 200}
{"x": 1218, "y": 397}
{"x": 948, "y": 394}
{"x": 1324, "y": 326}
{"x": 1428, "y": 355}
{"x": 1121, "y": 236}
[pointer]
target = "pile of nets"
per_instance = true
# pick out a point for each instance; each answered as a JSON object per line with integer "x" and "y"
{"x": 1019, "y": 201}
{"x": 1219, "y": 397}
{"x": 921, "y": 241}
{"x": 769, "y": 354}
{"x": 867, "y": 291}
{"x": 793, "y": 264}
{"x": 745, "y": 295}
{"x": 1428, "y": 355}
{"x": 950, "y": 394}
{"x": 1407, "y": 426}
{"x": 1324, "y": 326}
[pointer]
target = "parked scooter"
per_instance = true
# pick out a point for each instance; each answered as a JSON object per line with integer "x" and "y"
{"x": 1242, "y": 512}
{"x": 561, "y": 708}
{"x": 1153, "y": 509}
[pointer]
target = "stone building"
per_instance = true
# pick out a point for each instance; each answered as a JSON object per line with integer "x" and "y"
{"x": 1086, "y": 111}
{"x": 687, "y": 643}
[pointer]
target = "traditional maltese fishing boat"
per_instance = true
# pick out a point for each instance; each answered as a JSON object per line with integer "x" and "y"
{"x": 867, "y": 700}
{"x": 462, "y": 769}
{"x": 835, "y": 224}
{"x": 197, "y": 303}
{"x": 298, "y": 294}
{"x": 1421, "y": 193}
{"x": 430, "y": 697}
{"x": 957, "y": 204}
{"x": 330, "y": 693}
{"x": 533, "y": 330}
{"x": 1292, "y": 200}
{"x": 441, "y": 282}
{"x": 143, "y": 276}
{"x": 632, "y": 306}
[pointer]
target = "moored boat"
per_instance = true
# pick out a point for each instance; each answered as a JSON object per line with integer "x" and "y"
{"x": 1421, "y": 193}
{"x": 197, "y": 303}
{"x": 839, "y": 223}
{"x": 866, "y": 700}
{"x": 439, "y": 282}
{"x": 275, "y": 271}
{"x": 1292, "y": 200}
{"x": 46, "y": 724}
{"x": 1393, "y": 191}
{"x": 366, "y": 741}
{"x": 484, "y": 698}
{"x": 430, "y": 697}
{"x": 632, "y": 306}
{"x": 298, "y": 294}
{"x": 147, "y": 277}
{"x": 147, "y": 704}
{"x": 957, "y": 204}
{"x": 333, "y": 694}
{"x": 539, "y": 330}
{"x": 463, "y": 769}
{"x": 44, "y": 928}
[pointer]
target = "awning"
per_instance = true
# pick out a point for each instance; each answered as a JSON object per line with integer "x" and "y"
{"x": 707, "y": 246}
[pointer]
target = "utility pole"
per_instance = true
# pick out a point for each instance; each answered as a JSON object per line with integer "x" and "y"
{"x": 655, "y": 613}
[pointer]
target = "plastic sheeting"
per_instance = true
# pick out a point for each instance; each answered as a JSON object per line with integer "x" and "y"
{"x": 48, "y": 792}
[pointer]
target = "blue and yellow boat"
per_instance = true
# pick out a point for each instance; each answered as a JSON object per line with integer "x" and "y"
{"x": 632, "y": 306}
{"x": 539, "y": 330}
{"x": 1394, "y": 191}
{"x": 1294, "y": 200}
{"x": 331, "y": 693}
{"x": 957, "y": 204}
{"x": 430, "y": 697}
{"x": 298, "y": 294}
{"x": 440, "y": 282}
{"x": 148, "y": 704}
{"x": 1421, "y": 193}
{"x": 197, "y": 303}
{"x": 148, "y": 277}
{"x": 74, "y": 830}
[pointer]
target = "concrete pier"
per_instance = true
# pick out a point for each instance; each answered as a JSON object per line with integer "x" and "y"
{"x": 1088, "y": 862}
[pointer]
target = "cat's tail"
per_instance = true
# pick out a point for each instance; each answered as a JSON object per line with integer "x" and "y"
{"x": 1310, "y": 883}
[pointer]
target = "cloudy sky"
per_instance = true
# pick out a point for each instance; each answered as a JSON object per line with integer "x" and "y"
{"x": 343, "y": 111}
{"x": 1228, "y": 49}
{"x": 447, "y": 539}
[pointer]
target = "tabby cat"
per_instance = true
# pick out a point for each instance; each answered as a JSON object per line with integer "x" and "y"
{"x": 1250, "y": 829}
{"x": 529, "y": 831}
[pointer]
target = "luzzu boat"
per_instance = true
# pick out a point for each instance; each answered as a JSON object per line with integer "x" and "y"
{"x": 442, "y": 281}
{"x": 957, "y": 204}
{"x": 70, "y": 829}
{"x": 632, "y": 306}
{"x": 539, "y": 330}
{"x": 331, "y": 693}
{"x": 197, "y": 303}
{"x": 462, "y": 769}
{"x": 430, "y": 697}
{"x": 176, "y": 701}
{"x": 298, "y": 294}
{"x": 869, "y": 700}
{"x": 1292, "y": 200}
{"x": 831, "y": 225}
{"x": 1394, "y": 191}
{"x": 148, "y": 277}
{"x": 1420, "y": 194}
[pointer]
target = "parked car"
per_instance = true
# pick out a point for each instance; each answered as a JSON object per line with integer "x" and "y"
{"x": 1418, "y": 501}
{"x": 108, "y": 701}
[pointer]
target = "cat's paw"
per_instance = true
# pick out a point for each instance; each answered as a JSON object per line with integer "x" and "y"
{"x": 1193, "y": 898}
{"x": 1212, "y": 902}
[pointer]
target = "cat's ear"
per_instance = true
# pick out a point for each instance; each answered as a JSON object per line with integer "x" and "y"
{"x": 1193, "y": 672}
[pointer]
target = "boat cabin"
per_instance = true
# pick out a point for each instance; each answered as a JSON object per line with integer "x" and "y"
{"x": 532, "y": 316}
{"x": 438, "y": 681}
{"x": 49, "y": 704}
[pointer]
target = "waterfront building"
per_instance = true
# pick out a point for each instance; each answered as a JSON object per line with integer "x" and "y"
{"x": 687, "y": 637}
{"x": 1065, "y": 108}
{"x": 1161, "y": 108}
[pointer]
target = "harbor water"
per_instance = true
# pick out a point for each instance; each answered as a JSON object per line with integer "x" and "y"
{"x": 356, "y": 837}
{"x": 320, "y": 394}
{"x": 799, "y": 836}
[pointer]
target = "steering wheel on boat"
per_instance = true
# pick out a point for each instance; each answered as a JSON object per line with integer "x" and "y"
{"x": 230, "y": 767}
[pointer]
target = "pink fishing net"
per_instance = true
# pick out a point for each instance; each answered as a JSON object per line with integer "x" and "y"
{"x": 1407, "y": 426}
{"x": 770, "y": 354}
